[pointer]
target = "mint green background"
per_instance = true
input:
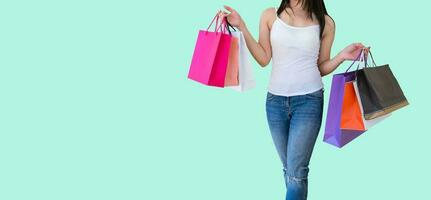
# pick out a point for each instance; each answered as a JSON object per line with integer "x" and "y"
{"x": 95, "y": 104}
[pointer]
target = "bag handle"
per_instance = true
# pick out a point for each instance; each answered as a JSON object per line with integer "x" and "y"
{"x": 218, "y": 27}
{"x": 216, "y": 18}
{"x": 224, "y": 26}
{"x": 357, "y": 59}
{"x": 362, "y": 60}
{"x": 372, "y": 59}
{"x": 229, "y": 27}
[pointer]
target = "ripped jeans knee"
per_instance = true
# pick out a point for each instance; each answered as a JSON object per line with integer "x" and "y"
{"x": 292, "y": 177}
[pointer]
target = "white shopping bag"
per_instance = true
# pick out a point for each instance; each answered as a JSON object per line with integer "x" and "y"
{"x": 245, "y": 71}
{"x": 367, "y": 123}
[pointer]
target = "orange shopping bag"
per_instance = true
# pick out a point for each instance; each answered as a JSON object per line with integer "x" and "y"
{"x": 351, "y": 116}
{"x": 231, "y": 78}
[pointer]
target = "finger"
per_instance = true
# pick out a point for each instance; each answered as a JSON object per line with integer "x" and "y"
{"x": 355, "y": 45}
{"x": 222, "y": 14}
{"x": 366, "y": 49}
{"x": 229, "y": 8}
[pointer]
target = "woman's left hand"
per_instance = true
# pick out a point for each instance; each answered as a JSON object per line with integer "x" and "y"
{"x": 352, "y": 51}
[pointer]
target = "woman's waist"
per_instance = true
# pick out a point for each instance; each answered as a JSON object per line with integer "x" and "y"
{"x": 296, "y": 79}
{"x": 298, "y": 63}
{"x": 295, "y": 69}
{"x": 291, "y": 76}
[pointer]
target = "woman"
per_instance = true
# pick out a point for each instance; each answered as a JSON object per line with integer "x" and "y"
{"x": 298, "y": 37}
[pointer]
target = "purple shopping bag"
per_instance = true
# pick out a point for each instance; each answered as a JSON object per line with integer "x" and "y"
{"x": 333, "y": 133}
{"x": 211, "y": 54}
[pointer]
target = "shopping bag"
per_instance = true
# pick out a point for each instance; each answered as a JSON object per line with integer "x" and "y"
{"x": 367, "y": 123}
{"x": 334, "y": 134}
{"x": 232, "y": 71}
{"x": 351, "y": 116}
{"x": 210, "y": 57}
{"x": 246, "y": 75}
{"x": 379, "y": 90}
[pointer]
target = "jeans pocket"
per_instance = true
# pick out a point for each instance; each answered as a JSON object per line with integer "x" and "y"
{"x": 317, "y": 94}
{"x": 270, "y": 96}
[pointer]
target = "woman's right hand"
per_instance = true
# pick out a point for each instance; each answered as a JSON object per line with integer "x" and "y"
{"x": 233, "y": 17}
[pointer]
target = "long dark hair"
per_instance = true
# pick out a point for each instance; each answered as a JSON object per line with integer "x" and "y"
{"x": 316, "y": 7}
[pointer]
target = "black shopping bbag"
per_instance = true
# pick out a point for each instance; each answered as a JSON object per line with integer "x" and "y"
{"x": 379, "y": 91}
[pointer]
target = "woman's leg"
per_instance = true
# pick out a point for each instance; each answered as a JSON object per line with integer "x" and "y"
{"x": 306, "y": 117}
{"x": 277, "y": 117}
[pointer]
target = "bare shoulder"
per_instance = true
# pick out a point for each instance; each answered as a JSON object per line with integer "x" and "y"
{"x": 268, "y": 16}
{"x": 329, "y": 26}
{"x": 269, "y": 13}
{"x": 330, "y": 22}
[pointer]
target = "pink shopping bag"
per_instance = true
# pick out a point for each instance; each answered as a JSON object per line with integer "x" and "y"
{"x": 211, "y": 54}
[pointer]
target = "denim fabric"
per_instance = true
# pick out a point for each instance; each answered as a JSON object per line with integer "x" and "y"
{"x": 294, "y": 123}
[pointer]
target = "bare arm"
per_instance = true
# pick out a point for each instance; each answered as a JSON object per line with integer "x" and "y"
{"x": 261, "y": 49}
{"x": 325, "y": 63}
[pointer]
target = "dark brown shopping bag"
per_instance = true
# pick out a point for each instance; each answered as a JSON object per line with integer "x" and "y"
{"x": 379, "y": 90}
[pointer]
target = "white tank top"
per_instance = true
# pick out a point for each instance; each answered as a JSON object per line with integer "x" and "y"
{"x": 295, "y": 51}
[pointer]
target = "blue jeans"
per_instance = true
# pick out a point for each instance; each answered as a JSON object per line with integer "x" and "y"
{"x": 294, "y": 123}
